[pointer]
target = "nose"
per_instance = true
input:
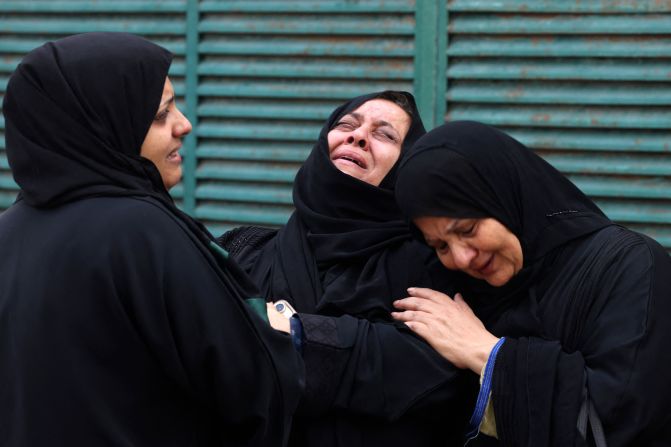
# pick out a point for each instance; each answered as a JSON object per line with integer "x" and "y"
{"x": 462, "y": 254}
{"x": 182, "y": 126}
{"x": 358, "y": 138}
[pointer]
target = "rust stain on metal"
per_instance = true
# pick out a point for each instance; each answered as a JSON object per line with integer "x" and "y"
{"x": 514, "y": 93}
{"x": 541, "y": 117}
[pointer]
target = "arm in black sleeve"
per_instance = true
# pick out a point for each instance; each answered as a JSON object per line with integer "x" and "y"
{"x": 204, "y": 336}
{"x": 375, "y": 369}
{"x": 620, "y": 357}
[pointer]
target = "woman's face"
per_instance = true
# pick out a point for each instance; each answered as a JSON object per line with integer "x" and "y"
{"x": 481, "y": 248}
{"x": 366, "y": 142}
{"x": 164, "y": 138}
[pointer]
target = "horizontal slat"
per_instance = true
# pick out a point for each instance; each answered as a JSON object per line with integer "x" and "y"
{"x": 311, "y": 46}
{"x": 116, "y": 6}
{"x": 254, "y": 151}
{"x": 7, "y": 182}
{"x": 637, "y": 212}
{"x": 560, "y": 24}
{"x": 245, "y": 193}
{"x": 560, "y": 46}
{"x": 256, "y": 131}
{"x": 622, "y": 187}
{"x": 25, "y": 45}
{"x": 603, "y": 140}
{"x": 313, "y": 25}
{"x": 4, "y": 163}
{"x": 621, "y": 164}
{"x": 588, "y": 117}
{"x": 6, "y": 199}
{"x": 244, "y": 214}
{"x": 360, "y": 69}
{"x": 565, "y": 6}
{"x": 58, "y": 25}
{"x": 297, "y": 89}
{"x": 248, "y": 172}
{"x": 584, "y": 69}
{"x": 559, "y": 93}
{"x": 310, "y": 6}
{"x": 260, "y": 109}
{"x": 9, "y": 63}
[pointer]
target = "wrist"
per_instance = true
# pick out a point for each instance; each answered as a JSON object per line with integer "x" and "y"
{"x": 481, "y": 354}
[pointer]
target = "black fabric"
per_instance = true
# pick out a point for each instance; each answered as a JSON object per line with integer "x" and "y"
{"x": 465, "y": 169}
{"x": 587, "y": 309}
{"x": 341, "y": 260}
{"x": 117, "y": 324}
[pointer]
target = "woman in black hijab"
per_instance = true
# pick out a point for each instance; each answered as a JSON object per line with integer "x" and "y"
{"x": 341, "y": 260}
{"x": 581, "y": 304}
{"x": 119, "y": 324}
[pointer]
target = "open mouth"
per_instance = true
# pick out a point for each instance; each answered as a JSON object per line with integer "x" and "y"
{"x": 174, "y": 156}
{"x": 352, "y": 160}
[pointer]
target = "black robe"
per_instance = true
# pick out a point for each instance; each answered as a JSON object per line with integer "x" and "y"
{"x": 585, "y": 318}
{"x": 118, "y": 324}
{"x": 341, "y": 260}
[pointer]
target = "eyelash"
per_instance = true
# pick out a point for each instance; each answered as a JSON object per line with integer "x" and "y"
{"x": 344, "y": 125}
{"x": 469, "y": 231}
{"x": 161, "y": 116}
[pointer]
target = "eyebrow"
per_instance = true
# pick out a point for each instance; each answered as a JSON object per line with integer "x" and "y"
{"x": 167, "y": 101}
{"x": 378, "y": 123}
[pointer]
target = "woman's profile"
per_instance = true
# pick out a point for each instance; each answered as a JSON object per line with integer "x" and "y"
{"x": 118, "y": 324}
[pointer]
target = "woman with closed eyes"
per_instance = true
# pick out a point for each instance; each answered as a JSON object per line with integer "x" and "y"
{"x": 564, "y": 314}
{"x": 340, "y": 261}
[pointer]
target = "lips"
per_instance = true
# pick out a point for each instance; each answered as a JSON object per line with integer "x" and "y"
{"x": 486, "y": 268}
{"x": 349, "y": 157}
{"x": 174, "y": 157}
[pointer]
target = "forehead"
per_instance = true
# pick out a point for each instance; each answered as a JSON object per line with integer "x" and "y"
{"x": 433, "y": 224}
{"x": 383, "y": 110}
{"x": 167, "y": 88}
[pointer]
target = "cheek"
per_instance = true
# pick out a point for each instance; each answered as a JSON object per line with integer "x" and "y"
{"x": 332, "y": 139}
{"x": 446, "y": 260}
{"x": 387, "y": 155}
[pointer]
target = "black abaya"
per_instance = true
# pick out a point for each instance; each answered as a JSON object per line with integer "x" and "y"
{"x": 584, "y": 319}
{"x": 342, "y": 259}
{"x": 118, "y": 325}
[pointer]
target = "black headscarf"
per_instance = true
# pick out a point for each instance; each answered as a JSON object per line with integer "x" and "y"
{"x": 339, "y": 221}
{"x": 77, "y": 111}
{"x": 466, "y": 169}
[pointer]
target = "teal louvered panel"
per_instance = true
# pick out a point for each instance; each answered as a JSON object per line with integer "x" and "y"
{"x": 585, "y": 84}
{"x": 27, "y": 24}
{"x": 270, "y": 73}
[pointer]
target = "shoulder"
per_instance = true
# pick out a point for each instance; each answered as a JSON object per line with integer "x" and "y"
{"x": 130, "y": 222}
{"x": 249, "y": 237}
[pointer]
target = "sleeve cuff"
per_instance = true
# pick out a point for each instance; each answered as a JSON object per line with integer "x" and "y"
{"x": 483, "y": 401}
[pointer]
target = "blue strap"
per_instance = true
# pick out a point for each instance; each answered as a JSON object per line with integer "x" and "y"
{"x": 296, "y": 327}
{"x": 483, "y": 395}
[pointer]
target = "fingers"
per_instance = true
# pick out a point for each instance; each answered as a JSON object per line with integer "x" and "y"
{"x": 412, "y": 316}
{"x": 429, "y": 294}
{"x": 419, "y": 328}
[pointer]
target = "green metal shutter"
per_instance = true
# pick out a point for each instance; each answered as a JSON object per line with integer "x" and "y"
{"x": 585, "y": 83}
{"x": 270, "y": 72}
{"x": 27, "y": 24}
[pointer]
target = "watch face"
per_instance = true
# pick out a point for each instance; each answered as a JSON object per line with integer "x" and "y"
{"x": 284, "y": 308}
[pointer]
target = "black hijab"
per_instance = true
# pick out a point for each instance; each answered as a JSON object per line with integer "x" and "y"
{"x": 77, "y": 111}
{"x": 466, "y": 169}
{"x": 332, "y": 255}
